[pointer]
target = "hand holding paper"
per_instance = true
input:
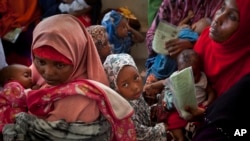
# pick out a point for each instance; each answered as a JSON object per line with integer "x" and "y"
{"x": 164, "y": 32}
{"x": 182, "y": 85}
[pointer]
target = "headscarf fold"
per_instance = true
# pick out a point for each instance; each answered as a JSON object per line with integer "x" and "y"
{"x": 67, "y": 35}
{"x": 225, "y": 63}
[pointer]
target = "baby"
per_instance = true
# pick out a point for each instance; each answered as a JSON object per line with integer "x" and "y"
{"x": 204, "y": 93}
{"x": 15, "y": 79}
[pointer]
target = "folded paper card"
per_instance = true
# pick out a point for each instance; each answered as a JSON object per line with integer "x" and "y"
{"x": 164, "y": 32}
{"x": 182, "y": 85}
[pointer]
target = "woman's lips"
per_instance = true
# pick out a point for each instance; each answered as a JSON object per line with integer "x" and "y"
{"x": 213, "y": 30}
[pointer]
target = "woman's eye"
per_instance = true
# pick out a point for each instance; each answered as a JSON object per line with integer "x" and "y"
{"x": 233, "y": 17}
{"x": 40, "y": 62}
{"x": 60, "y": 65}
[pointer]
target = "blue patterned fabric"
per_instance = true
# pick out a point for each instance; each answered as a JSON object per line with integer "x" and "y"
{"x": 111, "y": 20}
{"x": 187, "y": 33}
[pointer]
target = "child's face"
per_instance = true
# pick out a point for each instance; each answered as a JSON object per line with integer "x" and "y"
{"x": 122, "y": 28}
{"x": 129, "y": 83}
{"x": 53, "y": 72}
{"x": 22, "y": 74}
{"x": 105, "y": 50}
{"x": 225, "y": 22}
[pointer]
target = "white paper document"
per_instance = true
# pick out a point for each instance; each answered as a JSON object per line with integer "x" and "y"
{"x": 183, "y": 88}
{"x": 164, "y": 32}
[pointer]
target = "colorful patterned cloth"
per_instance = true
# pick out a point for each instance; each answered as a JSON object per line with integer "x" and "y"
{"x": 12, "y": 102}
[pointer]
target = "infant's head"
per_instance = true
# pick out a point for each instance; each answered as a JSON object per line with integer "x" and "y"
{"x": 16, "y": 72}
{"x": 187, "y": 58}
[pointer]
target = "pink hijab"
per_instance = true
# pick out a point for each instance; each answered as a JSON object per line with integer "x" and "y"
{"x": 67, "y": 35}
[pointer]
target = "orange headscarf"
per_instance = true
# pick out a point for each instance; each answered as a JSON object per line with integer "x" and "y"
{"x": 67, "y": 35}
{"x": 18, "y": 13}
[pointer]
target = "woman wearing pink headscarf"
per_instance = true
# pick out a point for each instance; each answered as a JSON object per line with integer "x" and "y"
{"x": 73, "y": 101}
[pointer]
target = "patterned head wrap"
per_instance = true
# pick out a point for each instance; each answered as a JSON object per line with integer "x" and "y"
{"x": 111, "y": 21}
{"x": 98, "y": 33}
{"x": 113, "y": 65}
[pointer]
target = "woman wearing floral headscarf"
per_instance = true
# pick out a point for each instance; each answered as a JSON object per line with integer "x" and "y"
{"x": 71, "y": 104}
{"x": 126, "y": 80}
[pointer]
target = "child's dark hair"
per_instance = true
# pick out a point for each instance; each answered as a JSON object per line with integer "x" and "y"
{"x": 4, "y": 75}
{"x": 190, "y": 57}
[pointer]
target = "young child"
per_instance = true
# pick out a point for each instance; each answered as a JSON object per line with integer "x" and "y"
{"x": 100, "y": 38}
{"x": 163, "y": 66}
{"x": 121, "y": 35}
{"x": 204, "y": 93}
{"x": 126, "y": 80}
{"x": 15, "y": 80}
{"x": 192, "y": 32}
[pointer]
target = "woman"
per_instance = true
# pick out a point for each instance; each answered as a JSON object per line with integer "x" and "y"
{"x": 69, "y": 105}
{"x": 226, "y": 58}
{"x": 224, "y": 47}
{"x": 159, "y": 66}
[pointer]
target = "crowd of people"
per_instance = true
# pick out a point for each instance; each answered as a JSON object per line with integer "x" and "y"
{"x": 83, "y": 84}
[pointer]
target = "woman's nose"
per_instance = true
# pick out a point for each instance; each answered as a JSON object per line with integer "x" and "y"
{"x": 48, "y": 71}
{"x": 218, "y": 19}
{"x": 136, "y": 88}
